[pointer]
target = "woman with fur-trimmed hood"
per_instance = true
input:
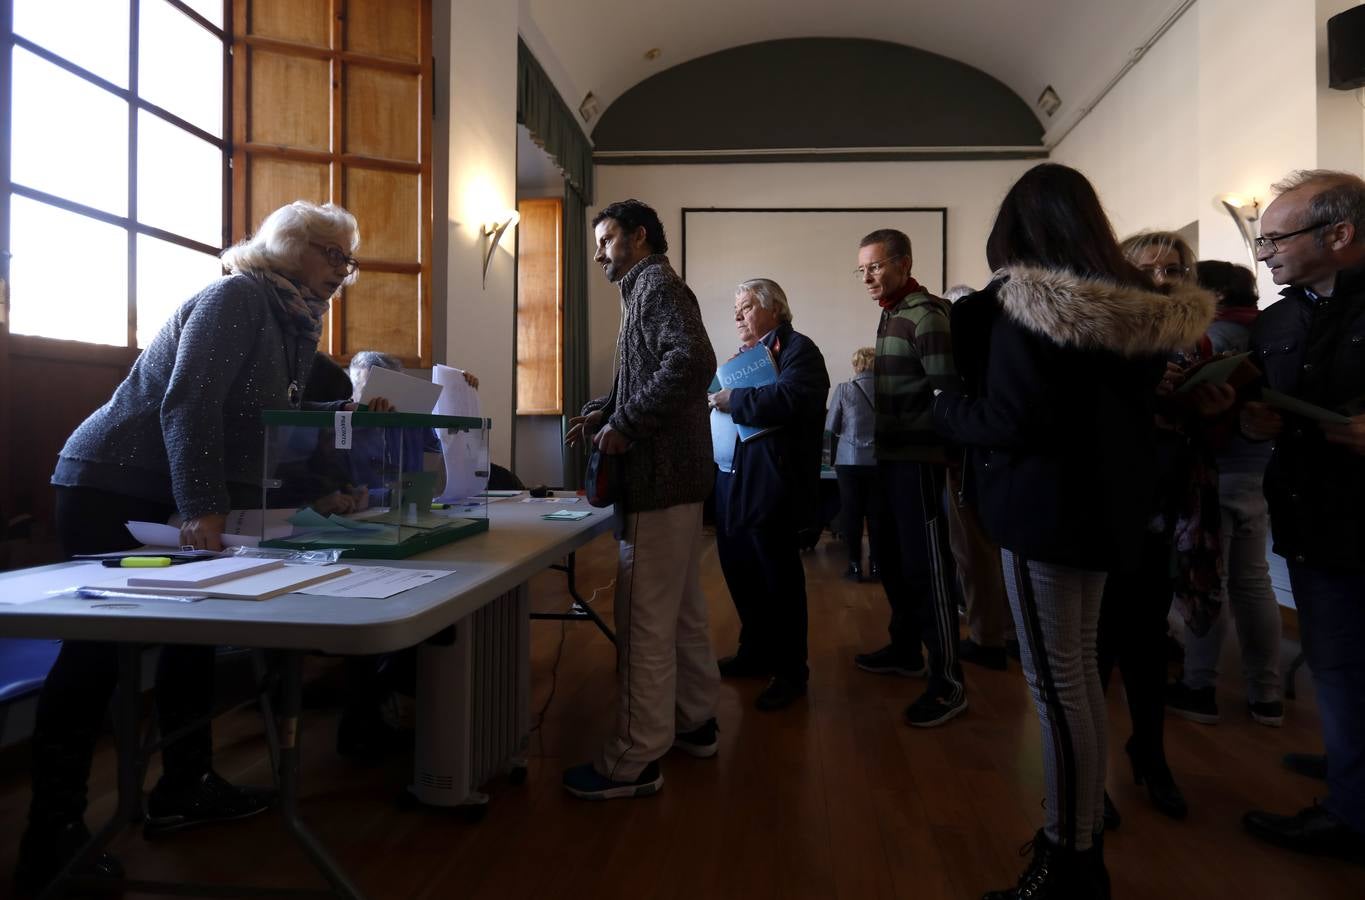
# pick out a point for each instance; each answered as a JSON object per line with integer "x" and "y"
{"x": 1062, "y": 354}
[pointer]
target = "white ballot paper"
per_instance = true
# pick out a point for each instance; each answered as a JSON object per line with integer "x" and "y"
{"x": 376, "y": 582}
{"x": 406, "y": 393}
{"x": 466, "y": 454}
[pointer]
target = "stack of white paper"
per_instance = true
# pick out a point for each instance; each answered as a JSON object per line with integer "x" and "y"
{"x": 466, "y": 454}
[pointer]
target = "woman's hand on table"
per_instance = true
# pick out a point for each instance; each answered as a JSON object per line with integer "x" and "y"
{"x": 204, "y": 532}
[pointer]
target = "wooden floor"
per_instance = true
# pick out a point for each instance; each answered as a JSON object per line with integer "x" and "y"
{"x": 834, "y": 798}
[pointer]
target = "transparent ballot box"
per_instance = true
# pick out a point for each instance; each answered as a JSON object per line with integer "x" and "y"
{"x": 375, "y": 485}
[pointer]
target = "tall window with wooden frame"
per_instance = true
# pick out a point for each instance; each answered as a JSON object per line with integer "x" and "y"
{"x": 332, "y": 101}
{"x": 540, "y": 307}
{"x": 114, "y": 172}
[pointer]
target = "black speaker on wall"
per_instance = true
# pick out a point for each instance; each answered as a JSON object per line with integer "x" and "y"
{"x": 1346, "y": 49}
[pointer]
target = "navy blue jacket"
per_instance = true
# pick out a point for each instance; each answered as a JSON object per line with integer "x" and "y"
{"x": 1316, "y": 351}
{"x": 776, "y": 476}
{"x": 1058, "y": 418}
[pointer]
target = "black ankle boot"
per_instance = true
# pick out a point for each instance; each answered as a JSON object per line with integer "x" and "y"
{"x": 1161, "y": 787}
{"x": 46, "y": 848}
{"x": 1057, "y": 874}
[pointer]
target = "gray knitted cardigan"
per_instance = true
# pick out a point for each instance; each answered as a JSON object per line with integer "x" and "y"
{"x": 664, "y": 364}
{"x": 185, "y": 426}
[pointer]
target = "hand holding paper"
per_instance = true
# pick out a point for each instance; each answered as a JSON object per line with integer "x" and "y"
{"x": 1349, "y": 434}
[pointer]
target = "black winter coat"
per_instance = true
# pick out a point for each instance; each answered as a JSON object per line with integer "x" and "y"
{"x": 1316, "y": 351}
{"x": 1058, "y": 422}
{"x": 776, "y": 478}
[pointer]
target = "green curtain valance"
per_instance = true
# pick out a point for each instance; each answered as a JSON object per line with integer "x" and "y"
{"x": 552, "y": 123}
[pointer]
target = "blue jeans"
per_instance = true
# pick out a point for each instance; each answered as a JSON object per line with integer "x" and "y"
{"x": 1332, "y": 624}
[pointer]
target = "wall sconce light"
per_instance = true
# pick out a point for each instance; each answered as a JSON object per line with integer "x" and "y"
{"x": 492, "y": 233}
{"x": 1245, "y": 212}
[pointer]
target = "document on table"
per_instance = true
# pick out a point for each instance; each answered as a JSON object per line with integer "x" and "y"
{"x": 47, "y": 583}
{"x": 552, "y": 499}
{"x": 566, "y": 515}
{"x": 376, "y": 582}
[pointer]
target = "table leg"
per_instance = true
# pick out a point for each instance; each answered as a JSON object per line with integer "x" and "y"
{"x": 290, "y": 703}
{"x": 127, "y": 713}
{"x": 581, "y": 609}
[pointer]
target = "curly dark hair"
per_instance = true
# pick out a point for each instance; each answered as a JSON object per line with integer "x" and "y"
{"x": 632, "y": 214}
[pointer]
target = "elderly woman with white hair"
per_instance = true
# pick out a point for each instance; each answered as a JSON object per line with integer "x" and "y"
{"x": 770, "y": 494}
{"x": 181, "y": 435}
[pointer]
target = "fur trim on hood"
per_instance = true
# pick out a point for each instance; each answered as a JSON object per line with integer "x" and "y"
{"x": 1091, "y": 313}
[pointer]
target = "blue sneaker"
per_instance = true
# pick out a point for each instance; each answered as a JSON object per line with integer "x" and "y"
{"x": 584, "y": 782}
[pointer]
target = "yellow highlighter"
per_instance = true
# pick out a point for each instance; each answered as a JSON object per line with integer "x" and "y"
{"x": 144, "y": 562}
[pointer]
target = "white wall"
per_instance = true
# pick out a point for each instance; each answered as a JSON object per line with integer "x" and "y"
{"x": 1232, "y": 98}
{"x": 480, "y": 113}
{"x": 971, "y": 191}
{"x": 1257, "y": 110}
{"x": 1137, "y": 146}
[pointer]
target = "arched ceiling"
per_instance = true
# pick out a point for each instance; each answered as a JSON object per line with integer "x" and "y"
{"x": 1076, "y": 46}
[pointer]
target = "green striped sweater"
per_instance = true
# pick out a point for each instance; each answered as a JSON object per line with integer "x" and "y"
{"x": 914, "y": 357}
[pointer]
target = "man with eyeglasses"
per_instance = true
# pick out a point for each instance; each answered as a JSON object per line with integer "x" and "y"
{"x": 1311, "y": 345}
{"x": 914, "y": 360}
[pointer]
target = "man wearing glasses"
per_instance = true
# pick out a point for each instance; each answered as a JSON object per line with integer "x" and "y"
{"x": 914, "y": 359}
{"x": 1311, "y": 344}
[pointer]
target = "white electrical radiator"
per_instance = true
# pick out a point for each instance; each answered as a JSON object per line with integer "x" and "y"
{"x": 473, "y": 702}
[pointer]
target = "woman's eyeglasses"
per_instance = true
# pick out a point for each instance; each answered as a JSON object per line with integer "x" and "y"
{"x": 337, "y": 259}
{"x": 1167, "y": 273}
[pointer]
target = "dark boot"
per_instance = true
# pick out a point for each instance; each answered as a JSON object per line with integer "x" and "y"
{"x": 1057, "y": 874}
{"x": 45, "y": 850}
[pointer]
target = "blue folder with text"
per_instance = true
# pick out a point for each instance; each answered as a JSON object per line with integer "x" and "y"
{"x": 754, "y": 367}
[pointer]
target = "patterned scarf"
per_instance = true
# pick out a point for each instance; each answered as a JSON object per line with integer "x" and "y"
{"x": 295, "y": 305}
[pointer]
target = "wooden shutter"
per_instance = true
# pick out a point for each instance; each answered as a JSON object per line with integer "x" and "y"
{"x": 332, "y": 102}
{"x": 540, "y": 307}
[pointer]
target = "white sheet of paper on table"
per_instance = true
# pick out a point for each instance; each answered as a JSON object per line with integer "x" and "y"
{"x": 155, "y": 534}
{"x": 376, "y": 582}
{"x": 43, "y": 585}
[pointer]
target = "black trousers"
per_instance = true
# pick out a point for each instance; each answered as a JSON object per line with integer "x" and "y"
{"x": 76, "y": 694}
{"x": 917, "y": 569}
{"x": 858, "y": 501}
{"x": 763, "y": 570}
{"x": 1133, "y": 637}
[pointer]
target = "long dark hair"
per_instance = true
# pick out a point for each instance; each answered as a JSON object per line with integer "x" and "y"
{"x": 1052, "y": 218}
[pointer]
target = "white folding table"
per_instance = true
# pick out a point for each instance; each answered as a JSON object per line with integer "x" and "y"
{"x": 473, "y": 671}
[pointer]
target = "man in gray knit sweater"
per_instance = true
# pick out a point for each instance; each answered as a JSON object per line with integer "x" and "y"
{"x": 655, "y": 424}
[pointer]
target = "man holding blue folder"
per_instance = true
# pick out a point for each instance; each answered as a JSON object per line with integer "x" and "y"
{"x": 770, "y": 491}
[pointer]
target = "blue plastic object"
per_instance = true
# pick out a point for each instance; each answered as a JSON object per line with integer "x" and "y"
{"x": 24, "y": 663}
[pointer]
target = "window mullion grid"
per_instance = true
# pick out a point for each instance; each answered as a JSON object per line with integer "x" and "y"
{"x": 338, "y": 20}
{"x": 6, "y": 79}
{"x": 133, "y": 30}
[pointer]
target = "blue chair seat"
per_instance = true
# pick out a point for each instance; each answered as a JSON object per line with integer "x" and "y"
{"x": 24, "y": 663}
